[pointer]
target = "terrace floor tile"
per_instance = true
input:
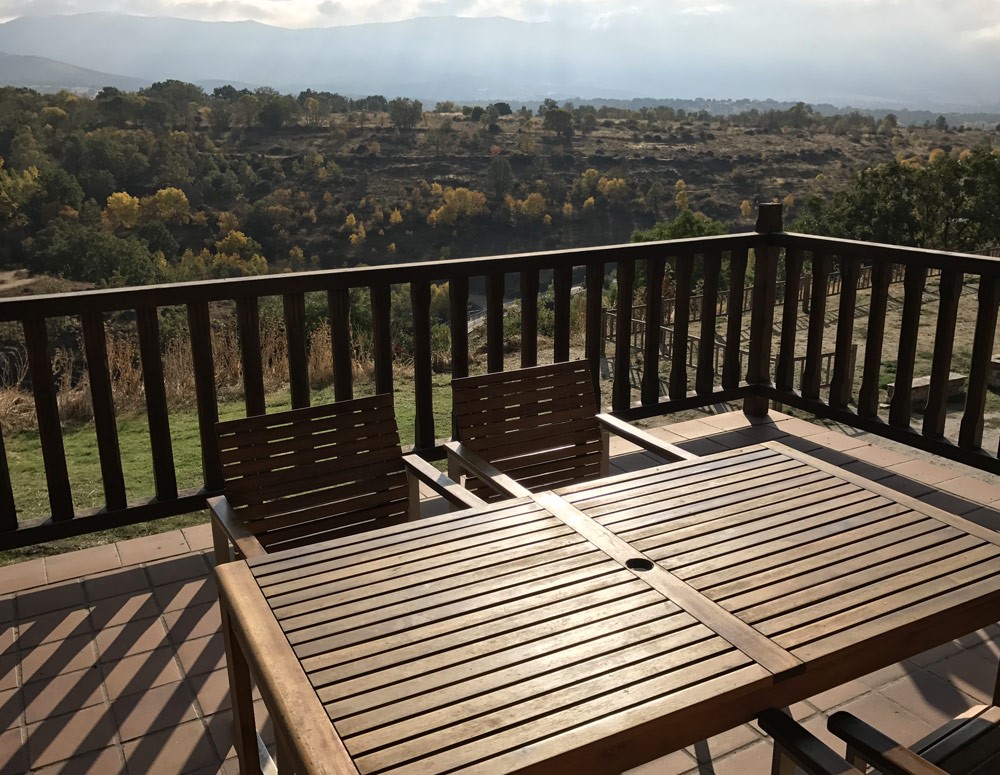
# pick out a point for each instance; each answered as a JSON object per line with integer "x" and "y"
{"x": 71, "y": 565}
{"x": 152, "y": 548}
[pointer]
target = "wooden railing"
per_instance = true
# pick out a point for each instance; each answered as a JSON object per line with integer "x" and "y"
{"x": 737, "y": 373}
{"x": 834, "y": 283}
{"x": 609, "y": 326}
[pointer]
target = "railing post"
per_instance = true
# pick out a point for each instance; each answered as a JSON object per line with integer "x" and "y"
{"x": 762, "y": 308}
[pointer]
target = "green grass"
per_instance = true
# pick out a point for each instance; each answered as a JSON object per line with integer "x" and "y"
{"x": 28, "y": 471}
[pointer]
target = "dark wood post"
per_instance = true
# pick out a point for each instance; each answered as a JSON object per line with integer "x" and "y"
{"x": 762, "y": 308}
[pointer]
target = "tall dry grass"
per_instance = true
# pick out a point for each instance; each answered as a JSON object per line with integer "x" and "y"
{"x": 72, "y": 381}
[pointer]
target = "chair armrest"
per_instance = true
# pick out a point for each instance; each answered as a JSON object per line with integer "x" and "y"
{"x": 642, "y": 439}
{"x": 489, "y": 473}
{"x": 878, "y": 749}
{"x": 225, "y": 517}
{"x": 447, "y": 488}
{"x": 808, "y": 752}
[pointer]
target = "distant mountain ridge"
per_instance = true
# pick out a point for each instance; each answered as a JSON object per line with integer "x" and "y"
{"x": 486, "y": 59}
{"x": 44, "y": 74}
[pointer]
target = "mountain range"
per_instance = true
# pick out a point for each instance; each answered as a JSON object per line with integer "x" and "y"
{"x": 436, "y": 58}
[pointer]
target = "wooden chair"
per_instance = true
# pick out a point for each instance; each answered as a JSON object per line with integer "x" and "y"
{"x": 535, "y": 429}
{"x": 968, "y": 745}
{"x": 304, "y": 475}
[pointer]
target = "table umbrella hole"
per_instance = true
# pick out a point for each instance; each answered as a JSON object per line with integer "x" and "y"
{"x": 639, "y": 563}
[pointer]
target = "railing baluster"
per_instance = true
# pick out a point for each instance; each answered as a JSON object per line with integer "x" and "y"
{"x": 200, "y": 327}
{"x": 705, "y": 376}
{"x": 248, "y": 323}
{"x": 36, "y": 340}
{"x": 339, "y": 302}
{"x": 529, "y": 318}
{"x": 650, "y": 392}
{"x": 944, "y": 343}
{"x": 157, "y": 413}
{"x": 812, "y": 372}
{"x": 294, "y": 306}
{"x": 731, "y": 374}
{"x": 562, "y": 281}
{"x": 682, "y": 319}
{"x": 621, "y": 390}
{"x": 458, "y": 295}
{"x": 8, "y": 510}
{"x": 494, "y": 322}
{"x": 594, "y": 324}
{"x": 103, "y": 402}
{"x": 423, "y": 430}
{"x": 381, "y": 301}
{"x": 868, "y": 396}
{"x": 784, "y": 370}
{"x": 900, "y": 406}
{"x": 970, "y": 435}
{"x": 842, "y": 381}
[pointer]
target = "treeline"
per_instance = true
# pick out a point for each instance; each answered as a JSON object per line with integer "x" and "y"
{"x": 159, "y": 185}
{"x": 948, "y": 201}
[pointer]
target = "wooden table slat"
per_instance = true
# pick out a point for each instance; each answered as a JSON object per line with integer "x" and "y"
{"x": 867, "y": 510}
{"x": 768, "y": 561}
{"x": 549, "y": 714}
{"x": 630, "y": 605}
{"x": 702, "y": 517}
{"x": 325, "y": 635}
{"x": 770, "y": 585}
{"x": 463, "y": 689}
{"x": 812, "y": 589}
{"x": 810, "y": 621}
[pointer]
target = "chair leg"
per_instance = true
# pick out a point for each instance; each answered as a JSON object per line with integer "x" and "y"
{"x": 781, "y": 762}
{"x": 605, "y": 452}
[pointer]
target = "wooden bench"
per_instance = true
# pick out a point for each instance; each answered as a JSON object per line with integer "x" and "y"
{"x": 968, "y": 745}
{"x": 920, "y": 388}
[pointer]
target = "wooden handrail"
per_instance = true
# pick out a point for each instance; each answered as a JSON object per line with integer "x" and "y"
{"x": 701, "y": 370}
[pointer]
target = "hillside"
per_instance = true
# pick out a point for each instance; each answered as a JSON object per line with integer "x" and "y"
{"x": 43, "y": 74}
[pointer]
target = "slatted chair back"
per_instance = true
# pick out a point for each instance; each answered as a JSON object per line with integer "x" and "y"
{"x": 537, "y": 425}
{"x": 304, "y": 475}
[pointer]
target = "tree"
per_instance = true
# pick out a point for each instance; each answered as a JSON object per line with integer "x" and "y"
{"x": 122, "y": 211}
{"x": 503, "y": 108}
{"x": 404, "y": 113}
{"x": 276, "y": 109}
{"x": 941, "y": 123}
{"x": 559, "y": 121}
{"x": 170, "y": 205}
{"x": 681, "y": 195}
{"x": 499, "y": 177}
{"x": 687, "y": 224}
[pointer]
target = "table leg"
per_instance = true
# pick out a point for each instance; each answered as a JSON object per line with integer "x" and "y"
{"x": 286, "y": 766}
{"x": 244, "y": 728}
{"x": 996, "y": 689}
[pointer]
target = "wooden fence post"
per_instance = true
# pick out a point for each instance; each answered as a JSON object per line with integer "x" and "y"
{"x": 769, "y": 221}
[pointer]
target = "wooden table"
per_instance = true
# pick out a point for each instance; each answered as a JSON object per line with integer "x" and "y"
{"x": 600, "y": 626}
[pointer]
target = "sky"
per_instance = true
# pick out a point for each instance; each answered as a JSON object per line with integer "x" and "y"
{"x": 848, "y": 52}
{"x": 970, "y": 22}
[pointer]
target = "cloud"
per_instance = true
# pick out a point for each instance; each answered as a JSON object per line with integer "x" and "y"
{"x": 330, "y": 8}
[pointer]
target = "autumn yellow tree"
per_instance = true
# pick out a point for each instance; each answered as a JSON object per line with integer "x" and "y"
{"x": 681, "y": 196}
{"x": 121, "y": 211}
{"x": 170, "y": 205}
{"x": 457, "y": 203}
